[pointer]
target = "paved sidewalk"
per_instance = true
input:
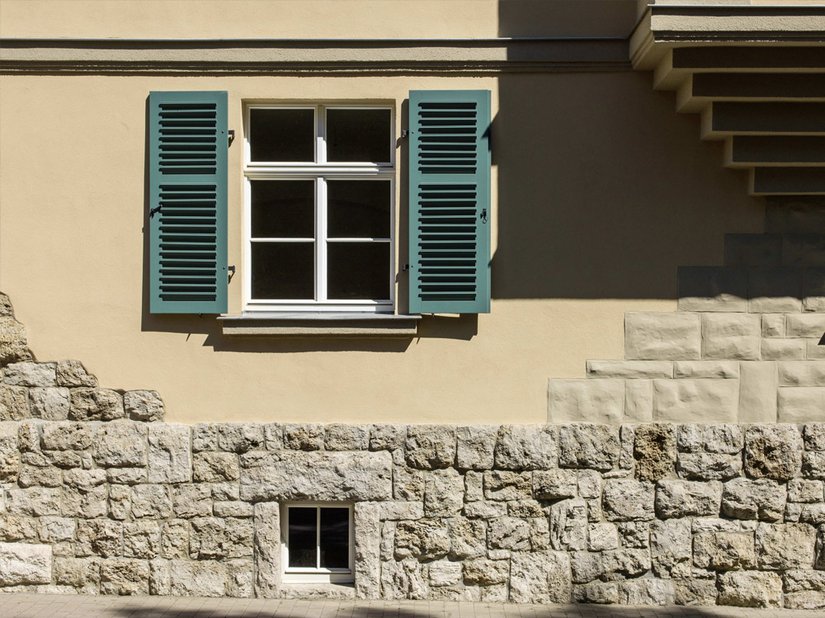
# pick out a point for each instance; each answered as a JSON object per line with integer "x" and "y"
{"x": 75, "y": 606}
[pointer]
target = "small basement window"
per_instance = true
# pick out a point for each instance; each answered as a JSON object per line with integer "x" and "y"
{"x": 317, "y": 543}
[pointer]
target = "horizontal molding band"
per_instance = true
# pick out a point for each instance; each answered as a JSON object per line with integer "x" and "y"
{"x": 330, "y": 56}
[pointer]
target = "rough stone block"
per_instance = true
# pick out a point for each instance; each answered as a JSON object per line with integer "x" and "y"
{"x": 83, "y": 574}
{"x": 344, "y": 437}
{"x": 626, "y": 500}
{"x": 13, "y": 347}
{"x": 67, "y": 436}
{"x": 387, "y": 437}
{"x": 712, "y": 288}
{"x": 34, "y": 501}
{"x": 73, "y": 373}
{"x": 526, "y": 447}
{"x": 141, "y": 539}
{"x": 49, "y": 403}
{"x": 143, "y": 405}
{"x": 14, "y": 403}
{"x": 763, "y": 499}
{"x": 629, "y": 369}
{"x": 443, "y": 493}
{"x": 151, "y": 501}
{"x": 718, "y": 438}
{"x": 589, "y": 446}
{"x": 467, "y": 538}
{"x": 444, "y": 573}
{"x": 687, "y": 498}
{"x": 9, "y": 453}
{"x": 593, "y": 400}
{"x": 425, "y": 539}
{"x": 484, "y": 572}
{"x": 568, "y": 525}
{"x": 773, "y": 451}
{"x": 96, "y": 404}
{"x": 475, "y": 446}
{"x": 647, "y": 591}
{"x": 736, "y": 336}
{"x": 430, "y": 446}
{"x": 602, "y": 536}
{"x": 750, "y": 589}
{"x": 800, "y": 405}
{"x": 169, "y": 458}
{"x": 220, "y": 538}
{"x": 802, "y": 490}
{"x": 30, "y": 373}
{"x": 723, "y": 551}
{"x": 554, "y": 484}
{"x": 654, "y": 450}
{"x": 25, "y": 564}
{"x": 124, "y": 576}
{"x": 506, "y": 485}
{"x": 804, "y": 589}
{"x": 540, "y": 577}
{"x": 662, "y": 336}
{"x": 120, "y": 445}
{"x": 773, "y": 325}
{"x": 695, "y": 400}
{"x": 211, "y": 467}
{"x": 814, "y": 436}
{"x": 775, "y": 290}
{"x": 240, "y": 437}
{"x": 102, "y": 537}
{"x": 304, "y": 437}
{"x": 316, "y": 476}
{"x": 785, "y": 546}
{"x": 671, "y": 547}
{"x": 267, "y": 541}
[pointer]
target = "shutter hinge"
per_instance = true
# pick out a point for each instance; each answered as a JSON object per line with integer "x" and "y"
{"x": 405, "y": 267}
{"x": 484, "y": 216}
{"x": 153, "y": 211}
{"x": 405, "y": 133}
{"x": 230, "y": 272}
{"x": 231, "y": 136}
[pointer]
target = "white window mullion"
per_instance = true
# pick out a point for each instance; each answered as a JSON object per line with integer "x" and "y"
{"x": 321, "y": 240}
{"x": 318, "y": 538}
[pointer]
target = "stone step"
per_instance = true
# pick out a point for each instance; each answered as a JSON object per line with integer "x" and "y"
{"x": 787, "y": 181}
{"x": 756, "y": 289}
{"x": 720, "y": 120}
{"x": 702, "y": 88}
{"x": 743, "y": 151}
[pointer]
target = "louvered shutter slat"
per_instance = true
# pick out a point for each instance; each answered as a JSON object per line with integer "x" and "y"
{"x": 449, "y": 201}
{"x": 187, "y": 195}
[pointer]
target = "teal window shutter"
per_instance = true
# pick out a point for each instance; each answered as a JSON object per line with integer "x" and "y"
{"x": 187, "y": 202}
{"x": 449, "y": 204}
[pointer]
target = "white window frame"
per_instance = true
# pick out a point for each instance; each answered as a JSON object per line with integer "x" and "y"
{"x": 320, "y": 172}
{"x": 307, "y": 575}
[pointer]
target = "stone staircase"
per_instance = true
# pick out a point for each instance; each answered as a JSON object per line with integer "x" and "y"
{"x": 743, "y": 346}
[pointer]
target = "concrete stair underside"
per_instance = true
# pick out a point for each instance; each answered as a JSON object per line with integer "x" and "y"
{"x": 761, "y": 91}
{"x": 745, "y": 344}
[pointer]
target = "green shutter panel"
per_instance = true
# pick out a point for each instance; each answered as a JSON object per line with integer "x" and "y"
{"x": 449, "y": 218}
{"x": 187, "y": 202}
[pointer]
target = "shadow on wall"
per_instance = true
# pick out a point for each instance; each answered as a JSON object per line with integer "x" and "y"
{"x": 616, "y": 190}
{"x": 603, "y": 189}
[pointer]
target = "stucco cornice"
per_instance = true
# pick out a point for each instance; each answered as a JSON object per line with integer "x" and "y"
{"x": 267, "y": 57}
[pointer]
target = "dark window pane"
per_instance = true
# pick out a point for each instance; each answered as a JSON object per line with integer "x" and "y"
{"x": 359, "y": 270}
{"x": 282, "y": 134}
{"x": 358, "y": 209}
{"x": 283, "y": 270}
{"x": 283, "y": 209}
{"x": 358, "y": 135}
{"x": 334, "y": 538}
{"x": 302, "y": 537}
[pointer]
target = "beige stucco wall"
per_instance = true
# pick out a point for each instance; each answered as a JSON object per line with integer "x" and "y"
{"x": 296, "y": 19}
{"x": 601, "y": 192}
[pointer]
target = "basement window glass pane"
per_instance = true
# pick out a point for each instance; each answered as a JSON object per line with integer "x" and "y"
{"x": 318, "y": 543}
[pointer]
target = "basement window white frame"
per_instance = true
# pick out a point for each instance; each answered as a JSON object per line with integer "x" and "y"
{"x": 368, "y": 255}
{"x": 305, "y": 567}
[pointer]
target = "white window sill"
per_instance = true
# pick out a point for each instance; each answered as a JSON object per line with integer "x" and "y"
{"x": 319, "y": 324}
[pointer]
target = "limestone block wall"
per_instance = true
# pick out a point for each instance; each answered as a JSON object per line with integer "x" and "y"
{"x": 745, "y": 345}
{"x": 638, "y": 514}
